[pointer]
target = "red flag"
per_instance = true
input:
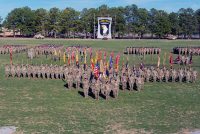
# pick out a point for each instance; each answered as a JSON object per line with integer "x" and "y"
{"x": 112, "y": 54}
{"x": 72, "y": 56}
{"x": 92, "y": 64}
{"x": 117, "y": 60}
{"x": 68, "y": 59}
{"x": 10, "y": 49}
{"x": 171, "y": 60}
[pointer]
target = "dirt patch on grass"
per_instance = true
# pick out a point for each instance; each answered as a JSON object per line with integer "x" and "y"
{"x": 118, "y": 128}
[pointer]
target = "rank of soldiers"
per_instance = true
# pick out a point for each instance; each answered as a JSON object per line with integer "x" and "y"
{"x": 47, "y": 49}
{"x": 78, "y": 47}
{"x": 14, "y": 48}
{"x": 142, "y": 50}
{"x": 187, "y": 50}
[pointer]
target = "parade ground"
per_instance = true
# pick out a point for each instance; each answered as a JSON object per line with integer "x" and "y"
{"x": 47, "y": 106}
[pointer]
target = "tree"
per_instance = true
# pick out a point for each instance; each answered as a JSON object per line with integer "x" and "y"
{"x": 142, "y": 22}
{"x": 118, "y": 20}
{"x": 0, "y": 20}
{"x": 131, "y": 18}
{"x": 103, "y": 11}
{"x": 174, "y": 22}
{"x": 152, "y": 23}
{"x": 159, "y": 24}
{"x": 42, "y": 21}
{"x": 197, "y": 14}
{"x": 54, "y": 16}
{"x": 22, "y": 19}
{"x": 68, "y": 21}
{"x": 187, "y": 21}
{"x": 0, "y": 24}
{"x": 87, "y": 20}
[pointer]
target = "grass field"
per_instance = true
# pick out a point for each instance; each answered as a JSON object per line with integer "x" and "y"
{"x": 46, "y": 106}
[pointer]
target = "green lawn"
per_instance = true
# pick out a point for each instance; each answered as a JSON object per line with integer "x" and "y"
{"x": 46, "y": 106}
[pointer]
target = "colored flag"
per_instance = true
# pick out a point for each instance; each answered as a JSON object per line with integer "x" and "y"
{"x": 55, "y": 52}
{"x": 110, "y": 62}
{"x": 101, "y": 66}
{"x": 107, "y": 65}
{"x": 99, "y": 55}
{"x": 158, "y": 64}
{"x": 72, "y": 56}
{"x": 117, "y": 61}
{"x": 68, "y": 59}
{"x": 90, "y": 53}
{"x": 112, "y": 54}
{"x": 104, "y": 56}
{"x": 10, "y": 50}
{"x": 127, "y": 62}
{"x": 77, "y": 57}
{"x": 96, "y": 71}
{"x": 85, "y": 61}
{"x": 64, "y": 57}
{"x": 96, "y": 58}
{"x": 164, "y": 59}
{"x": 170, "y": 59}
{"x": 92, "y": 64}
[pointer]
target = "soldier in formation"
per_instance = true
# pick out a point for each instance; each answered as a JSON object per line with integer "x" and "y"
{"x": 142, "y": 50}
{"x": 15, "y": 49}
{"x": 187, "y": 50}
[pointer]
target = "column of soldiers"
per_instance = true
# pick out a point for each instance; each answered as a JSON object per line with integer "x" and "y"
{"x": 187, "y": 50}
{"x": 142, "y": 50}
{"x": 79, "y": 47}
{"x": 15, "y": 49}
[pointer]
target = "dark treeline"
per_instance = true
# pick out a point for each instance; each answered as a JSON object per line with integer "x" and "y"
{"x": 128, "y": 22}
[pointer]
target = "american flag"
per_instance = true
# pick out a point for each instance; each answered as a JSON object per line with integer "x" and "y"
{"x": 96, "y": 71}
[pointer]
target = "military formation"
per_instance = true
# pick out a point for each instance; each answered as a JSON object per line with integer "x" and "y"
{"x": 14, "y": 48}
{"x": 107, "y": 83}
{"x": 194, "y": 50}
{"x": 142, "y": 50}
{"x": 74, "y": 76}
{"x": 101, "y": 78}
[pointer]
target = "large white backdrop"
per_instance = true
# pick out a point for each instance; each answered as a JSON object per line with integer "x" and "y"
{"x": 104, "y": 27}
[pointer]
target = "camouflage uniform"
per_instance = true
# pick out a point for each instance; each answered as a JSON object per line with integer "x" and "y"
{"x": 85, "y": 87}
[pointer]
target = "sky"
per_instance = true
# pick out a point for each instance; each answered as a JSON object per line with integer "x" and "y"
{"x": 168, "y": 5}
